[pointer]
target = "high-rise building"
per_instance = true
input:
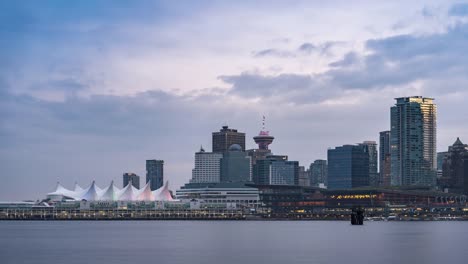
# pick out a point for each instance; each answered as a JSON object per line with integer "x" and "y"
{"x": 155, "y": 173}
{"x": 373, "y": 157}
{"x": 276, "y": 170}
{"x": 131, "y": 177}
{"x": 304, "y": 176}
{"x": 440, "y": 161}
{"x": 384, "y": 159}
{"x": 207, "y": 167}
{"x": 236, "y": 165}
{"x": 318, "y": 173}
{"x": 348, "y": 167}
{"x": 284, "y": 172}
{"x": 227, "y": 137}
{"x": 455, "y": 168}
{"x": 413, "y": 142}
{"x": 261, "y": 170}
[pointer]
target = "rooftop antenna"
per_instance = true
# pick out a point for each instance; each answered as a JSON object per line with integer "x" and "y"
{"x": 263, "y": 123}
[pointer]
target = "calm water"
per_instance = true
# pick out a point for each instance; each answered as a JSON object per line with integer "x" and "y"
{"x": 233, "y": 242}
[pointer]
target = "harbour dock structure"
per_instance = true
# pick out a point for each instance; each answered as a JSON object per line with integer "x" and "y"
{"x": 85, "y": 210}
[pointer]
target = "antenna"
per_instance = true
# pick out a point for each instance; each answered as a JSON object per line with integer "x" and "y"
{"x": 263, "y": 123}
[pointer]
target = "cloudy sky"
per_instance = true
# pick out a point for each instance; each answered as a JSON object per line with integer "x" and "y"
{"x": 91, "y": 89}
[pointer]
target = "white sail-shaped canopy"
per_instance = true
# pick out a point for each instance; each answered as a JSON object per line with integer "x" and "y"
{"x": 146, "y": 194}
{"x": 111, "y": 193}
{"x": 90, "y": 194}
{"x": 129, "y": 193}
{"x": 78, "y": 188}
{"x": 61, "y": 191}
{"x": 163, "y": 193}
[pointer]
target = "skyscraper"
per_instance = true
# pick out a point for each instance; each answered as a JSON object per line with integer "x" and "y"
{"x": 227, "y": 137}
{"x": 155, "y": 173}
{"x": 236, "y": 165}
{"x": 372, "y": 151}
{"x": 319, "y": 173}
{"x": 135, "y": 179}
{"x": 455, "y": 168}
{"x": 284, "y": 172}
{"x": 413, "y": 141}
{"x": 384, "y": 159}
{"x": 348, "y": 167}
{"x": 276, "y": 170}
{"x": 304, "y": 176}
{"x": 207, "y": 167}
{"x": 440, "y": 162}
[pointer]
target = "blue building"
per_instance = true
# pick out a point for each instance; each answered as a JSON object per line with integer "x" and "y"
{"x": 348, "y": 167}
{"x": 236, "y": 165}
{"x": 155, "y": 173}
{"x": 276, "y": 170}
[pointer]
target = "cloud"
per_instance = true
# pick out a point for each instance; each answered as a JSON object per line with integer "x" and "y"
{"x": 273, "y": 53}
{"x": 307, "y": 47}
{"x": 257, "y": 85}
{"x": 349, "y": 59}
{"x": 460, "y": 9}
{"x": 92, "y": 94}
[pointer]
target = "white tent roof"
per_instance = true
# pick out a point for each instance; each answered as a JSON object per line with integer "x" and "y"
{"x": 112, "y": 193}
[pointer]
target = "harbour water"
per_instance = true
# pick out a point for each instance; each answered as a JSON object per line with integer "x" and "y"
{"x": 244, "y": 242}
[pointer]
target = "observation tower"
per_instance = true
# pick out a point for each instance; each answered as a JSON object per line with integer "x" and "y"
{"x": 263, "y": 139}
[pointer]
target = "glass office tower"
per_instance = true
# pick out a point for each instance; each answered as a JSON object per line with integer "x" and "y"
{"x": 413, "y": 142}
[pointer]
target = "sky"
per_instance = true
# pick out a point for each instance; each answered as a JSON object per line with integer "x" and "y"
{"x": 91, "y": 89}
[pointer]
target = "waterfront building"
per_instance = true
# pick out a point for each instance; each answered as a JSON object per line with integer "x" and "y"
{"x": 236, "y": 165}
{"x": 348, "y": 167}
{"x": 133, "y": 178}
{"x": 227, "y": 137}
{"x": 155, "y": 173}
{"x": 318, "y": 173}
{"x": 304, "y": 176}
{"x": 373, "y": 156}
{"x": 455, "y": 169}
{"x": 413, "y": 142}
{"x": 220, "y": 193}
{"x": 207, "y": 167}
{"x": 384, "y": 159}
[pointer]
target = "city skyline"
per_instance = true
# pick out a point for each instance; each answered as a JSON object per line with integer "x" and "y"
{"x": 93, "y": 95}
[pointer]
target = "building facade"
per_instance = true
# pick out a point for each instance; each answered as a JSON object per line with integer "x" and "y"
{"x": 264, "y": 173}
{"x": 348, "y": 167}
{"x": 373, "y": 157}
{"x": 384, "y": 159}
{"x": 207, "y": 167}
{"x": 455, "y": 169}
{"x": 318, "y": 173}
{"x": 236, "y": 165}
{"x": 155, "y": 173}
{"x": 227, "y": 137}
{"x": 413, "y": 142}
{"x": 284, "y": 172}
{"x": 304, "y": 176}
{"x": 131, "y": 177}
{"x": 440, "y": 162}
